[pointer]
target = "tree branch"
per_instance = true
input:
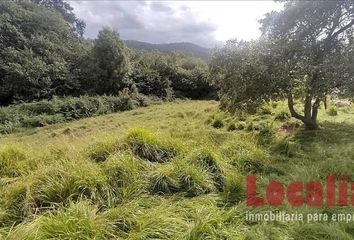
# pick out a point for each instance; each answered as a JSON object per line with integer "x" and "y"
{"x": 292, "y": 109}
{"x": 334, "y": 35}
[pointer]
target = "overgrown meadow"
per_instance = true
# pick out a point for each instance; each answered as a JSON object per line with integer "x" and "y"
{"x": 173, "y": 170}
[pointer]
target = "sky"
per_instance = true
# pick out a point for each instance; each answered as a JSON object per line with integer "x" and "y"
{"x": 206, "y": 23}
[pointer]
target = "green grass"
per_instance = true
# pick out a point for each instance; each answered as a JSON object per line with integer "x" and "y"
{"x": 167, "y": 171}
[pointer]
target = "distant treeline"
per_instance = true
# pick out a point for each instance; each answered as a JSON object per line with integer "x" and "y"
{"x": 43, "y": 54}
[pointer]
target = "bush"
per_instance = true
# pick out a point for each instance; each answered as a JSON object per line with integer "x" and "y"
{"x": 42, "y": 120}
{"x": 266, "y": 133}
{"x": 42, "y": 113}
{"x": 266, "y": 109}
{"x": 332, "y": 111}
{"x": 146, "y": 145}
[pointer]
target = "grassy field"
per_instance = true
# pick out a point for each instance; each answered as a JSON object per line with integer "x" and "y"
{"x": 169, "y": 171}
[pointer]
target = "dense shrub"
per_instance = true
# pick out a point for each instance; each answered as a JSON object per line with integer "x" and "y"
{"x": 42, "y": 113}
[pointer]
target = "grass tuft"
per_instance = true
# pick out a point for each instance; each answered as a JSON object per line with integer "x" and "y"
{"x": 148, "y": 146}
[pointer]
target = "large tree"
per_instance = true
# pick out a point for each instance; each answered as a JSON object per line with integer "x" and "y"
{"x": 38, "y": 52}
{"x": 108, "y": 68}
{"x": 66, "y": 11}
{"x": 304, "y": 53}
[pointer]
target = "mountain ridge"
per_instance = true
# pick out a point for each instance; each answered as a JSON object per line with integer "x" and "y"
{"x": 179, "y": 47}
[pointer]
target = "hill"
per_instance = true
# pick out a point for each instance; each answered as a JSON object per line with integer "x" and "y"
{"x": 174, "y": 170}
{"x": 182, "y": 47}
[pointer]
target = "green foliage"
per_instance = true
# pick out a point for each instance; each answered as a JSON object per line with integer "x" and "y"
{"x": 165, "y": 75}
{"x": 39, "y": 51}
{"x": 209, "y": 161}
{"x": 64, "y": 181}
{"x": 194, "y": 180}
{"x": 109, "y": 66}
{"x": 44, "y": 55}
{"x": 241, "y": 126}
{"x": 42, "y": 113}
{"x": 300, "y": 55}
{"x": 51, "y": 192}
{"x": 319, "y": 231}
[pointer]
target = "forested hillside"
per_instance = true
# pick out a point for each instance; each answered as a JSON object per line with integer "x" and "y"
{"x": 183, "y": 47}
{"x": 43, "y": 54}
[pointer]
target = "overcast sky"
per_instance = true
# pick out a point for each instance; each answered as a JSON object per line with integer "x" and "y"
{"x": 207, "y": 23}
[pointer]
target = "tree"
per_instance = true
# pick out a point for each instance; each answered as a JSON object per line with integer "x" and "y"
{"x": 303, "y": 54}
{"x": 38, "y": 53}
{"x": 110, "y": 64}
{"x": 66, "y": 11}
{"x": 147, "y": 74}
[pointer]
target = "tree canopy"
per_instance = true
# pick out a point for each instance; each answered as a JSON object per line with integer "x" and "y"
{"x": 305, "y": 52}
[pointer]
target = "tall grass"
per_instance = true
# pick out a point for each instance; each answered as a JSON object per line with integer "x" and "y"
{"x": 183, "y": 179}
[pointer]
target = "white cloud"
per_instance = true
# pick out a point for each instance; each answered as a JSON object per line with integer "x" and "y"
{"x": 201, "y": 22}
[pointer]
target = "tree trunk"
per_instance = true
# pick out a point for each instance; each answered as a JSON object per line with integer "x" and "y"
{"x": 310, "y": 111}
